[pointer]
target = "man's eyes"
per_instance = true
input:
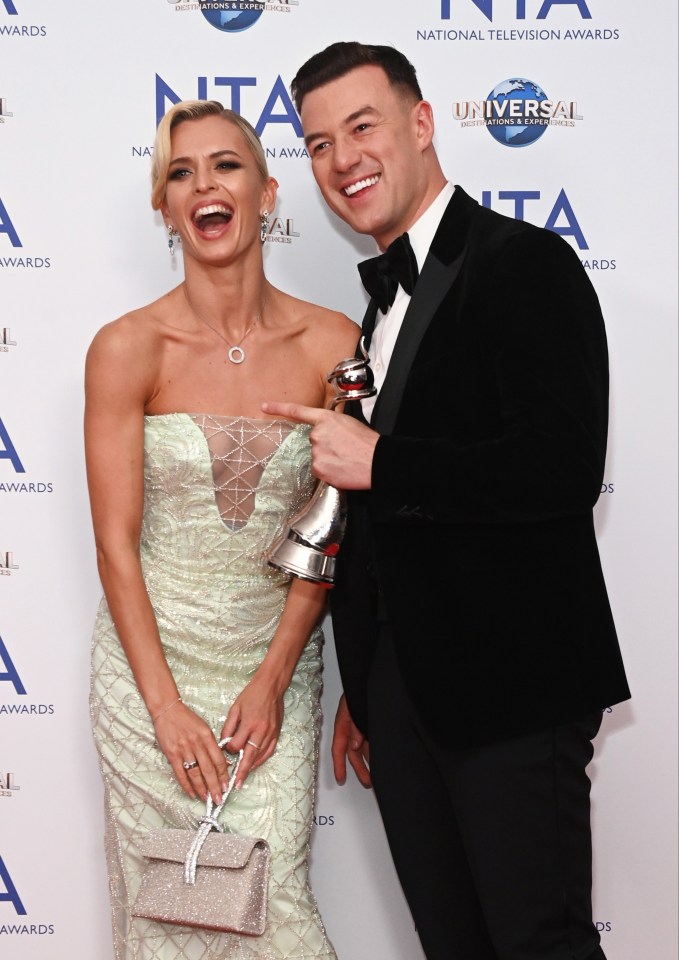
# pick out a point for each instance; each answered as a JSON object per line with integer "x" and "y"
{"x": 322, "y": 145}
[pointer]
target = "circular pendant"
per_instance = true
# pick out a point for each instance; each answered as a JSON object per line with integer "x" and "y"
{"x": 236, "y": 354}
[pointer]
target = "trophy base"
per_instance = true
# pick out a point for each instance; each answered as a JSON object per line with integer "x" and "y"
{"x": 303, "y": 562}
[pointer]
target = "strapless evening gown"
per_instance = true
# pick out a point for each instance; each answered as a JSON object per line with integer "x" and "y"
{"x": 218, "y": 490}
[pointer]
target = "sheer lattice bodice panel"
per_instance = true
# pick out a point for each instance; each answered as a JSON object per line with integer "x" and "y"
{"x": 217, "y": 491}
{"x": 240, "y": 449}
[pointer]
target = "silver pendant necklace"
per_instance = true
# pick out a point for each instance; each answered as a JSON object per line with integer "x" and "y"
{"x": 236, "y": 353}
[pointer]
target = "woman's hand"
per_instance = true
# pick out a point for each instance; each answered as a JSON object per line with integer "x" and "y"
{"x": 185, "y": 738}
{"x": 254, "y": 724}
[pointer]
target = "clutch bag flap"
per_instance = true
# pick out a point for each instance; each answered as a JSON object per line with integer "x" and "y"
{"x": 218, "y": 850}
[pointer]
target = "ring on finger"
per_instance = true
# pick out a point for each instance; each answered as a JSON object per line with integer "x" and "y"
{"x": 255, "y": 745}
{"x": 190, "y": 764}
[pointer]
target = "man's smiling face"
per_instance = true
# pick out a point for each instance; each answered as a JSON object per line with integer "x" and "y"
{"x": 367, "y": 140}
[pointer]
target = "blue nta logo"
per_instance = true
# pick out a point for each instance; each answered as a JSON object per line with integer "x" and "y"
{"x": 270, "y": 113}
{"x": 486, "y": 8}
{"x": 6, "y": 226}
{"x": 10, "y": 8}
{"x": 231, "y": 16}
{"x": 11, "y": 893}
{"x": 8, "y": 450}
{"x": 562, "y": 210}
{"x": 11, "y": 673}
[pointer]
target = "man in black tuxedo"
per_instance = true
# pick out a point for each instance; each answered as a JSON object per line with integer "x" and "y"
{"x": 474, "y": 635}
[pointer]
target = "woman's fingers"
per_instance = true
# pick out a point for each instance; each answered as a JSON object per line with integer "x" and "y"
{"x": 207, "y": 773}
{"x": 253, "y": 725}
{"x": 181, "y": 773}
{"x": 257, "y": 748}
{"x": 253, "y": 756}
{"x": 198, "y": 763}
{"x": 213, "y": 771}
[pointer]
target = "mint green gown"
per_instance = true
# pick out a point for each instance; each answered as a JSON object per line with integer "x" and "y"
{"x": 218, "y": 490}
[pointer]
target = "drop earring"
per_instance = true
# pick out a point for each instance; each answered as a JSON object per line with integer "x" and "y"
{"x": 171, "y": 234}
{"x": 264, "y": 228}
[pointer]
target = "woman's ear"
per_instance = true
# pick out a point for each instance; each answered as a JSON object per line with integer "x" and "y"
{"x": 269, "y": 194}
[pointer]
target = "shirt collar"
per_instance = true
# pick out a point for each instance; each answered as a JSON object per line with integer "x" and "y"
{"x": 423, "y": 230}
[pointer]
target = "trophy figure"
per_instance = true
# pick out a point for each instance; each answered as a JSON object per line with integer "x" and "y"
{"x": 312, "y": 539}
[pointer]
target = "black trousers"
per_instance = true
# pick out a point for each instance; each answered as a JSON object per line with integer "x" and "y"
{"x": 492, "y": 844}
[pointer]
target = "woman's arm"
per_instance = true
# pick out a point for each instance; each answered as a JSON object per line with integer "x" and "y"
{"x": 257, "y": 714}
{"x": 118, "y": 381}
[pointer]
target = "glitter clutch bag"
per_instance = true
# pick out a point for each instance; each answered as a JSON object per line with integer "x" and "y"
{"x": 197, "y": 878}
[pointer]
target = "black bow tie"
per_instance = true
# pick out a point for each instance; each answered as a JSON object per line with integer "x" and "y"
{"x": 382, "y": 275}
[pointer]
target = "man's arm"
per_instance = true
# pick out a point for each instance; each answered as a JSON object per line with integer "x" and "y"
{"x": 551, "y": 376}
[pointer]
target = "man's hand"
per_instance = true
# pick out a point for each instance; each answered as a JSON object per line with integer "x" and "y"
{"x": 342, "y": 449}
{"x": 348, "y": 741}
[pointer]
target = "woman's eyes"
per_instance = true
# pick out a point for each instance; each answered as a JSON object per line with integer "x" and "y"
{"x": 180, "y": 172}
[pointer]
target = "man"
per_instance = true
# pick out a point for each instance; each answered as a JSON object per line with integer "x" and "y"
{"x": 473, "y": 630}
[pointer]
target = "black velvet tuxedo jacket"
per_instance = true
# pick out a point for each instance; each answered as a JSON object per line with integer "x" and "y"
{"x": 478, "y": 530}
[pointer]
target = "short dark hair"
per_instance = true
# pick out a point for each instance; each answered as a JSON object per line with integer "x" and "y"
{"x": 340, "y": 58}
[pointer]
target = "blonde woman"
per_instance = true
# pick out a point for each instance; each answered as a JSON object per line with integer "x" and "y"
{"x": 198, "y": 638}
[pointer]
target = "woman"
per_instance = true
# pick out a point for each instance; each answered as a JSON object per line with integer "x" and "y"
{"x": 197, "y": 638}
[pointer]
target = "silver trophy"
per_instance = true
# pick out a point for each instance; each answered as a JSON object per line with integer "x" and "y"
{"x": 312, "y": 539}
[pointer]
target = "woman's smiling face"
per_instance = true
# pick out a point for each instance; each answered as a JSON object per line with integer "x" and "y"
{"x": 215, "y": 193}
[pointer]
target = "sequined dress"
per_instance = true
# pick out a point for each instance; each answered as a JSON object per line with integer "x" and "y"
{"x": 217, "y": 492}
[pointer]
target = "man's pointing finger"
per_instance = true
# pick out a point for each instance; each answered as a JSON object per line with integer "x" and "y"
{"x": 293, "y": 411}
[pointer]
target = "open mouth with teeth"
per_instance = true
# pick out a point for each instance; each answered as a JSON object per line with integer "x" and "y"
{"x": 213, "y": 218}
{"x": 360, "y": 185}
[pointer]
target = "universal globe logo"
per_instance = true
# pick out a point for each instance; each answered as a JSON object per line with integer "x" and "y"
{"x": 232, "y": 16}
{"x": 516, "y": 112}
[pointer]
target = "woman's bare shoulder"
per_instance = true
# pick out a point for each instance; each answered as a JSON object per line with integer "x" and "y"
{"x": 132, "y": 335}
{"x": 320, "y": 323}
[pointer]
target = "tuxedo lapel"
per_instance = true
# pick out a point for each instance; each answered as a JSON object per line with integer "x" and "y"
{"x": 439, "y": 273}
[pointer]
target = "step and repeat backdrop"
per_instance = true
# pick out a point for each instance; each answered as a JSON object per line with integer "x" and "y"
{"x": 82, "y": 87}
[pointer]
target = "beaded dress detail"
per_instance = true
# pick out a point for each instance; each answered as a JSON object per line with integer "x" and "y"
{"x": 218, "y": 491}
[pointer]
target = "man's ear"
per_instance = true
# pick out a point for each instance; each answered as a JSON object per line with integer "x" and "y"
{"x": 424, "y": 118}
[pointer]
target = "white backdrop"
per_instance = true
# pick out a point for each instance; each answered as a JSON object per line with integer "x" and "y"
{"x": 80, "y": 85}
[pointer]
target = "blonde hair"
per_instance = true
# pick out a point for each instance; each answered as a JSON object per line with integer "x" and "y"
{"x": 196, "y": 110}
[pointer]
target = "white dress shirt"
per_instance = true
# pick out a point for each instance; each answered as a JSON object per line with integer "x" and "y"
{"x": 388, "y": 324}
